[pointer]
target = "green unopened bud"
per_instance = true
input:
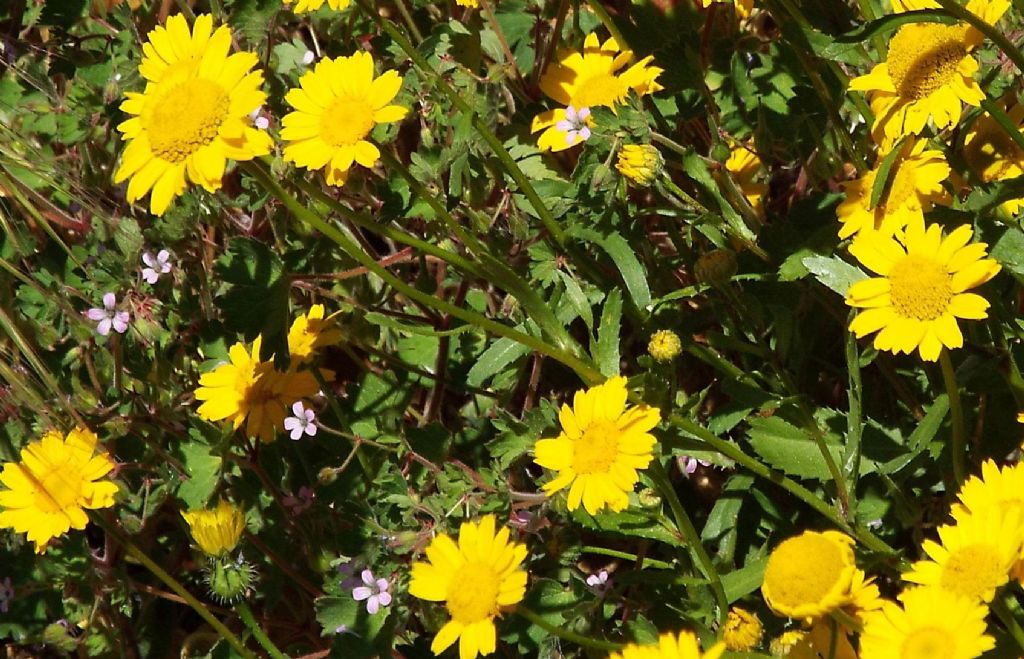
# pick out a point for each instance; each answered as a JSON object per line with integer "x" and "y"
{"x": 326, "y": 476}
{"x": 649, "y": 498}
{"x": 229, "y": 580}
{"x": 640, "y": 163}
{"x": 716, "y": 267}
{"x": 665, "y": 345}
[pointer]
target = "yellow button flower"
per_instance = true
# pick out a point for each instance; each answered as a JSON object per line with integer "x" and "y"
{"x": 337, "y": 105}
{"x": 664, "y": 345}
{"x": 742, "y": 630}
{"x": 922, "y": 289}
{"x": 809, "y": 575}
{"x": 216, "y": 531}
{"x": 57, "y": 480}
{"x": 477, "y": 579}
{"x": 193, "y": 70}
{"x": 683, "y": 645}
{"x": 602, "y": 445}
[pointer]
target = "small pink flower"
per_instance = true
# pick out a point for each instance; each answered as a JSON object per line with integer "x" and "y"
{"x": 689, "y": 465}
{"x": 302, "y": 422}
{"x": 156, "y": 265}
{"x": 598, "y": 580}
{"x": 575, "y": 125}
{"x": 374, "y": 591}
{"x": 108, "y": 316}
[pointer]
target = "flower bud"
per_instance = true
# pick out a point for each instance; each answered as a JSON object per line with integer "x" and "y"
{"x": 664, "y": 346}
{"x": 640, "y": 163}
{"x": 229, "y": 580}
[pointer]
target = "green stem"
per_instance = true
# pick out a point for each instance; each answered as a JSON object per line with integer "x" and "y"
{"x": 997, "y": 37}
{"x": 689, "y": 532}
{"x": 586, "y": 371}
{"x": 733, "y": 452}
{"x": 409, "y": 22}
{"x": 959, "y": 447}
{"x": 1002, "y": 611}
{"x": 626, "y": 556}
{"x": 606, "y": 20}
{"x": 854, "y": 419}
{"x": 173, "y": 584}
{"x": 245, "y": 613}
{"x": 565, "y": 634}
{"x": 545, "y": 214}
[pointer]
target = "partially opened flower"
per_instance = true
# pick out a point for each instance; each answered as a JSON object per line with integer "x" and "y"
{"x": 109, "y": 317}
{"x": 683, "y": 645}
{"x": 57, "y": 480}
{"x": 928, "y": 73}
{"x": 914, "y": 186}
{"x": 930, "y": 623}
{"x": 745, "y": 166}
{"x": 477, "y": 579}
{"x": 640, "y": 163}
{"x": 312, "y": 331}
{"x": 588, "y": 79}
{"x": 809, "y": 575}
{"x": 216, "y": 531}
{"x": 742, "y": 631}
{"x": 993, "y": 155}
{"x": 337, "y": 105}
{"x": 602, "y": 445}
{"x": 921, "y": 290}
{"x": 193, "y": 115}
{"x": 974, "y": 557}
{"x": 304, "y": 6}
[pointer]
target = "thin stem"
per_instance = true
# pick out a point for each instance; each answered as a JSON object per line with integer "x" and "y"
{"x": 565, "y": 634}
{"x": 547, "y": 218}
{"x": 956, "y": 409}
{"x": 606, "y": 20}
{"x": 689, "y": 532}
{"x": 1002, "y": 611}
{"x": 409, "y": 22}
{"x": 486, "y": 7}
{"x": 245, "y": 613}
{"x": 626, "y": 556}
{"x": 732, "y": 451}
{"x": 172, "y": 583}
{"x": 978, "y": 23}
{"x": 586, "y": 371}
{"x": 854, "y": 419}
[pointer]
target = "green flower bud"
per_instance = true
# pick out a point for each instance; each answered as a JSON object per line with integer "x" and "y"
{"x": 229, "y": 580}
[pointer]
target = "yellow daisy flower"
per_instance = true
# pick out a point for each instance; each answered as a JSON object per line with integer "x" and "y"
{"x": 929, "y": 73}
{"x": 588, "y": 79}
{"x": 975, "y": 555}
{"x": 931, "y": 623}
{"x": 311, "y": 331}
{"x": 249, "y": 391}
{"x": 742, "y": 631}
{"x": 997, "y": 490}
{"x": 477, "y": 579}
{"x": 216, "y": 531}
{"x": 915, "y": 185}
{"x": 336, "y": 106}
{"x": 640, "y": 163}
{"x": 993, "y": 155}
{"x": 745, "y": 166}
{"x": 921, "y": 292}
{"x": 809, "y": 574}
{"x": 743, "y": 7}
{"x": 57, "y": 480}
{"x": 683, "y": 645}
{"x": 304, "y": 6}
{"x": 602, "y": 445}
{"x": 193, "y": 115}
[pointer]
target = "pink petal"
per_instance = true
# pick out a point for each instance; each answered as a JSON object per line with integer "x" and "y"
{"x": 109, "y": 300}
{"x": 361, "y": 593}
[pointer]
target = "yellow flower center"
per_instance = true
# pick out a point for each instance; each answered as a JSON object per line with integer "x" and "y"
{"x": 806, "y": 569}
{"x": 596, "y": 450}
{"x": 61, "y": 488}
{"x": 920, "y": 288}
{"x": 473, "y": 593}
{"x": 599, "y": 89}
{"x": 346, "y": 121}
{"x": 972, "y": 570}
{"x": 928, "y": 643}
{"x": 186, "y": 118}
{"x": 923, "y": 58}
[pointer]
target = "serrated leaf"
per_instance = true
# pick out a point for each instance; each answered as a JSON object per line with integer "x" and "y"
{"x": 128, "y": 237}
{"x": 203, "y": 469}
{"x": 633, "y": 522}
{"x": 495, "y": 358}
{"x": 789, "y": 449}
{"x": 834, "y": 272}
{"x": 606, "y": 349}
{"x": 578, "y": 300}
{"x": 633, "y": 274}
{"x": 364, "y": 635}
{"x": 1009, "y": 250}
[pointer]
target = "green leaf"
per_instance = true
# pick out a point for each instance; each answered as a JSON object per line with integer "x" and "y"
{"x": 891, "y": 23}
{"x": 1009, "y": 251}
{"x": 256, "y": 301}
{"x": 834, "y": 272}
{"x": 633, "y": 522}
{"x": 922, "y": 436}
{"x": 745, "y": 580}
{"x": 128, "y": 238}
{"x": 360, "y": 634}
{"x": 577, "y": 299}
{"x": 633, "y": 274}
{"x": 203, "y": 469}
{"x": 606, "y": 349}
{"x": 883, "y": 179}
{"x": 788, "y": 448}
{"x": 495, "y": 358}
